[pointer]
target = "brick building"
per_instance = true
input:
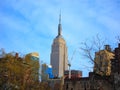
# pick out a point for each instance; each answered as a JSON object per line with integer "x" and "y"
{"x": 74, "y": 74}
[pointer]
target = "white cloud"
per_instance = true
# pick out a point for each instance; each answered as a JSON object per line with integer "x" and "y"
{"x": 32, "y": 24}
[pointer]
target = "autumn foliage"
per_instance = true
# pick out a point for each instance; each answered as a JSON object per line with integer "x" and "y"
{"x": 19, "y": 73}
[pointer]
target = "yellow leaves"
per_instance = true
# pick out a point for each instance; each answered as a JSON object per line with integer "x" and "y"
{"x": 17, "y": 70}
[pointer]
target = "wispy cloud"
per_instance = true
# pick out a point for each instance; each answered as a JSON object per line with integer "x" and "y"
{"x": 31, "y": 25}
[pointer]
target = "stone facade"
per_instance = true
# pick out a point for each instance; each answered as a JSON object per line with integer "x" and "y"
{"x": 93, "y": 82}
{"x": 102, "y": 61}
{"x": 59, "y": 59}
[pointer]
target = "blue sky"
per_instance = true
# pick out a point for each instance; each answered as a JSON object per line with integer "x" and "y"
{"x": 31, "y": 25}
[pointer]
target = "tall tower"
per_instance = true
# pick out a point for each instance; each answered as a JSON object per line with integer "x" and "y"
{"x": 59, "y": 58}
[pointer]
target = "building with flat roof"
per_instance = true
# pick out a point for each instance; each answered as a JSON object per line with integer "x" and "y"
{"x": 74, "y": 74}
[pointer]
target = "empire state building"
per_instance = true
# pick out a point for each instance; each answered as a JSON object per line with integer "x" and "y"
{"x": 59, "y": 58}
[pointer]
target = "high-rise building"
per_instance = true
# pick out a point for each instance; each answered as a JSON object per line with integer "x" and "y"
{"x": 59, "y": 58}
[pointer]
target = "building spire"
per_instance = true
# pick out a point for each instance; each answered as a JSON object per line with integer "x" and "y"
{"x": 60, "y": 17}
{"x": 59, "y": 25}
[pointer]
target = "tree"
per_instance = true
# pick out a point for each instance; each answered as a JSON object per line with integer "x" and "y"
{"x": 18, "y": 73}
{"x": 93, "y": 51}
{"x": 12, "y": 72}
{"x": 118, "y": 39}
{"x": 89, "y": 48}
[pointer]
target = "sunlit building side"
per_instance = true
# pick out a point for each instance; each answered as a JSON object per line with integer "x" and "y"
{"x": 59, "y": 56}
{"x": 102, "y": 61}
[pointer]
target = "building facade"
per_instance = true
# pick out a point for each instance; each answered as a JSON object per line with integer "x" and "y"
{"x": 59, "y": 58}
{"x": 93, "y": 82}
{"x": 116, "y": 60}
{"x": 106, "y": 75}
{"x": 116, "y": 68}
{"x": 74, "y": 74}
{"x": 46, "y": 72}
{"x": 102, "y": 61}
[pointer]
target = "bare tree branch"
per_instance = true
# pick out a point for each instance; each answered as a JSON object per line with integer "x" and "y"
{"x": 118, "y": 39}
{"x": 89, "y": 48}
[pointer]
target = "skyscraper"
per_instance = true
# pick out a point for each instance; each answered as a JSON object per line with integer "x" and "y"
{"x": 59, "y": 59}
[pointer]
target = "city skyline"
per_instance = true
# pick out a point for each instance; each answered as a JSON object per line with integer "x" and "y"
{"x": 28, "y": 26}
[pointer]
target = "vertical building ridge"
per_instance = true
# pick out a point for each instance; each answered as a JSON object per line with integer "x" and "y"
{"x": 59, "y": 53}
